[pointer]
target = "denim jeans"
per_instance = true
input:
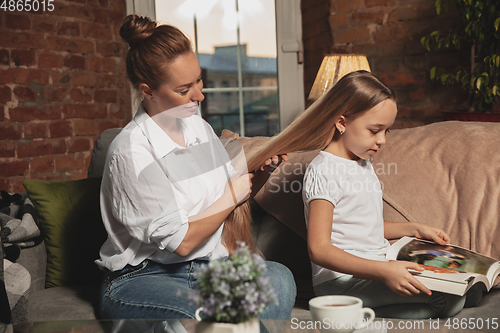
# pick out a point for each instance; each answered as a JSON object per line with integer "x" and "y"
{"x": 157, "y": 291}
{"x": 388, "y": 304}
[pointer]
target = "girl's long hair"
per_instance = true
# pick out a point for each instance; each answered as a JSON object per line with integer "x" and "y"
{"x": 350, "y": 97}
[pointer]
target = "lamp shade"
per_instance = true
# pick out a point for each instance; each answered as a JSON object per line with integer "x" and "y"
{"x": 333, "y": 68}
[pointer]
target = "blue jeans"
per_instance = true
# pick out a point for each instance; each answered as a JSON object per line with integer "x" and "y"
{"x": 388, "y": 304}
{"x": 157, "y": 291}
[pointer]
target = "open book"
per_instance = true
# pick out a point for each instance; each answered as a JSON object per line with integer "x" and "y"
{"x": 448, "y": 268}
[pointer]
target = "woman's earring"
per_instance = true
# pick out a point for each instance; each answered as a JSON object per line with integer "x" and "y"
{"x": 152, "y": 98}
{"x": 341, "y": 132}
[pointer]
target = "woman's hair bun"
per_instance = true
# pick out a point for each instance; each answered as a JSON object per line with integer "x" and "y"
{"x": 135, "y": 29}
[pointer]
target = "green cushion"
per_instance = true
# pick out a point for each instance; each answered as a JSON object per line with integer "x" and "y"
{"x": 70, "y": 219}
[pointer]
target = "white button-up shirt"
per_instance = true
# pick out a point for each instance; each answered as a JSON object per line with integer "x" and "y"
{"x": 150, "y": 187}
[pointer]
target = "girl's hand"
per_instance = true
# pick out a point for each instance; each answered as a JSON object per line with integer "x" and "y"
{"x": 425, "y": 231}
{"x": 239, "y": 187}
{"x": 402, "y": 282}
{"x": 274, "y": 162}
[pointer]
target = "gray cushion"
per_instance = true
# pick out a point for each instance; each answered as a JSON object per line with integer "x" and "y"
{"x": 64, "y": 303}
{"x": 96, "y": 166}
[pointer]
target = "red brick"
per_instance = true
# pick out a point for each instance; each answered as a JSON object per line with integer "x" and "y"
{"x": 83, "y": 79}
{"x": 113, "y": 49}
{"x": 71, "y": 45}
{"x": 403, "y": 78}
{"x": 79, "y": 96}
{"x": 23, "y": 57}
{"x": 418, "y": 94}
{"x": 49, "y": 60}
{"x": 107, "y": 16}
{"x": 44, "y": 23}
{"x": 17, "y": 21}
{"x": 41, "y": 148}
{"x": 100, "y": 3}
{"x": 7, "y": 149}
{"x": 61, "y": 78}
{"x": 14, "y": 168}
{"x": 101, "y": 64}
{"x": 36, "y": 130}
{"x": 69, "y": 163}
{"x": 84, "y": 127}
{"x": 68, "y": 29}
{"x": 76, "y": 11}
{"x": 23, "y": 93}
{"x": 78, "y": 145}
{"x": 89, "y": 111}
{"x": 339, "y": 19}
{"x": 97, "y": 31}
{"x": 113, "y": 81}
{"x": 348, "y": 5}
{"x": 24, "y": 76}
{"x": 4, "y": 57}
{"x": 74, "y": 62}
{"x": 60, "y": 129}
{"x": 17, "y": 184}
{"x": 22, "y": 40}
{"x": 77, "y": 174}
{"x": 105, "y": 96}
{"x": 56, "y": 94}
{"x": 5, "y": 95}
{"x": 41, "y": 165}
{"x": 381, "y": 3}
{"x": 366, "y": 18}
{"x": 26, "y": 114}
{"x": 10, "y": 131}
{"x": 105, "y": 124}
{"x": 355, "y": 35}
{"x": 79, "y": 1}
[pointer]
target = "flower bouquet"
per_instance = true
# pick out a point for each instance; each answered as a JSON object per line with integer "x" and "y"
{"x": 235, "y": 290}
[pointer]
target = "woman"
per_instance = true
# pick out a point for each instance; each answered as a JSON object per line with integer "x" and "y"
{"x": 169, "y": 186}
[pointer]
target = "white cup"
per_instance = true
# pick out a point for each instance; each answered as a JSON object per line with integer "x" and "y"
{"x": 339, "y": 314}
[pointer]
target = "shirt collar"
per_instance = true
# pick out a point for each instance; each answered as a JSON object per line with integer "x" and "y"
{"x": 159, "y": 140}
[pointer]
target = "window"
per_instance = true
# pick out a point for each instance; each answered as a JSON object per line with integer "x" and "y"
{"x": 236, "y": 44}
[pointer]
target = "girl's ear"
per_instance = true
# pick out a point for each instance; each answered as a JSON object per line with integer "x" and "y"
{"x": 340, "y": 124}
{"x": 145, "y": 91}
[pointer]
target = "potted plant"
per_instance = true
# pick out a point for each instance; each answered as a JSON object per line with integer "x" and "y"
{"x": 477, "y": 30}
{"x": 231, "y": 293}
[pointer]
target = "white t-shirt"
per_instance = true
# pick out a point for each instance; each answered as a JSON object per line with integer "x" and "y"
{"x": 150, "y": 187}
{"x": 355, "y": 192}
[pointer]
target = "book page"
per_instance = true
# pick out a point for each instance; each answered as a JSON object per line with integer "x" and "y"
{"x": 444, "y": 258}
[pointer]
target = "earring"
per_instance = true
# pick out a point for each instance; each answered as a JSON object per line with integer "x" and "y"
{"x": 341, "y": 132}
{"x": 152, "y": 98}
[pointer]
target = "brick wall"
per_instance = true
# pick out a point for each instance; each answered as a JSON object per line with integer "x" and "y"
{"x": 62, "y": 82}
{"x": 389, "y": 33}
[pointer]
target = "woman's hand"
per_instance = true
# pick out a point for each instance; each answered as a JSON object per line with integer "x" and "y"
{"x": 239, "y": 186}
{"x": 274, "y": 162}
{"x": 425, "y": 231}
{"x": 396, "y": 276}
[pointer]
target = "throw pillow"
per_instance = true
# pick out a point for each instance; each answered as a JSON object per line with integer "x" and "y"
{"x": 70, "y": 219}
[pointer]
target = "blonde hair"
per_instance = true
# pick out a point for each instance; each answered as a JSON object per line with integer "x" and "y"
{"x": 350, "y": 97}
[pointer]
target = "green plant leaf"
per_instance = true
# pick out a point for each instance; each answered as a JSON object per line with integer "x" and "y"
{"x": 433, "y": 73}
{"x": 495, "y": 90}
{"x": 497, "y": 23}
{"x": 438, "y": 6}
{"x": 479, "y": 80}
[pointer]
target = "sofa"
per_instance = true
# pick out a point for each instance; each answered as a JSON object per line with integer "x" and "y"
{"x": 446, "y": 174}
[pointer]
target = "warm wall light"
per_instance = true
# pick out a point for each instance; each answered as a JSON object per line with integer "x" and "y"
{"x": 333, "y": 67}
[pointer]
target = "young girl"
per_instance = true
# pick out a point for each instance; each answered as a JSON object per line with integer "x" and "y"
{"x": 347, "y": 236}
{"x": 169, "y": 189}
